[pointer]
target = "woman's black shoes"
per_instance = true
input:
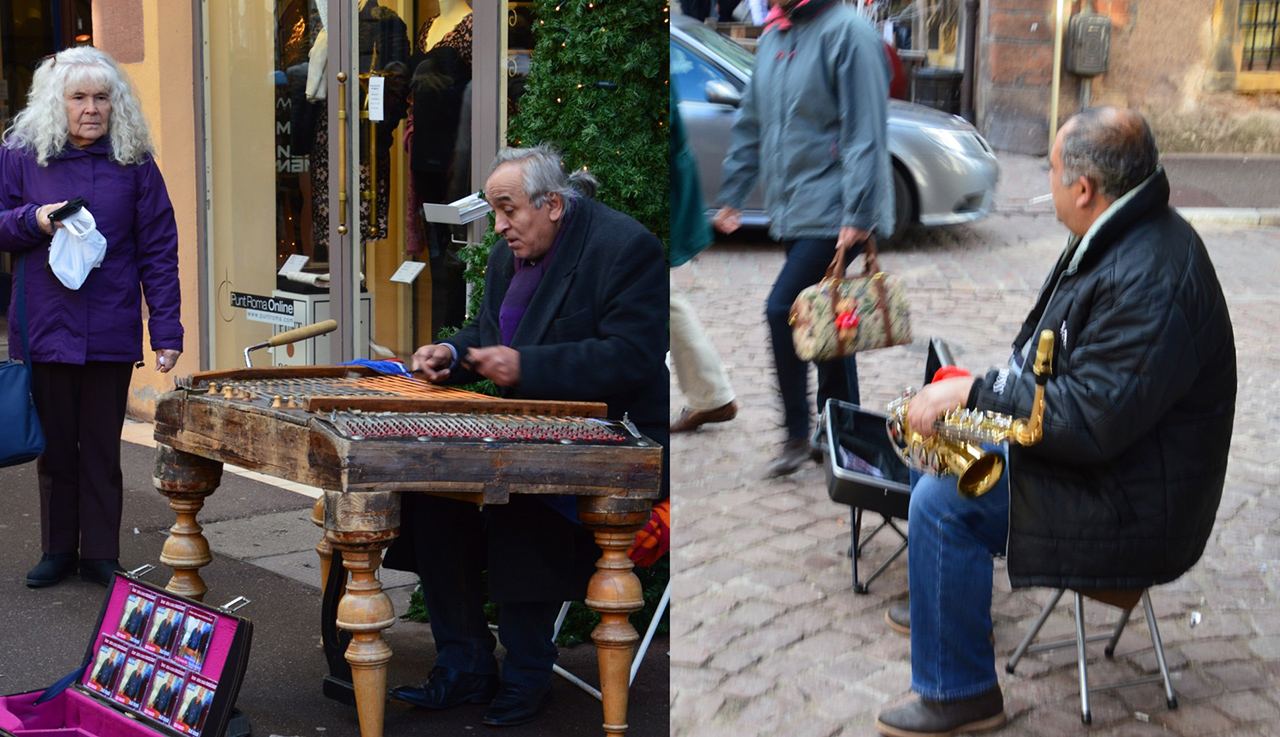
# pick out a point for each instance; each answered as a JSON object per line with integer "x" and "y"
{"x": 99, "y": 570}
{"x": 52, "y": 569}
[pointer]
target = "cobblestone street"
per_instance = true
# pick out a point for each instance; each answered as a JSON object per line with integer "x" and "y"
{"x": 768, "y": 636}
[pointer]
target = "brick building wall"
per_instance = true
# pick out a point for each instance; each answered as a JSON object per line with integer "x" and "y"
{"x": 1176, "y": 61}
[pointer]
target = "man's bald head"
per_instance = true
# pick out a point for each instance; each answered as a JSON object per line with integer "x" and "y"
{"x": 1111, "y": 146}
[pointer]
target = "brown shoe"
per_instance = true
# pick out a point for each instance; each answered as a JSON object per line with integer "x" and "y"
{"x": 924, "y": 718}
{"x": 692, "y": 419}
{"x": 898, "y": 617}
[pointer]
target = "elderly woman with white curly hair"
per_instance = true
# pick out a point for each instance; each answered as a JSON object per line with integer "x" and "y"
{"x": 83, "y": 135}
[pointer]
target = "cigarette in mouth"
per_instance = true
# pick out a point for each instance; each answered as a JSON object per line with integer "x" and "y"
{"x": 1041, "y": 198}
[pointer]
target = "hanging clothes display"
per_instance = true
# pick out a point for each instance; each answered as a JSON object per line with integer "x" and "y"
{"x": 441, "y": 74}
{"x": 384, "y": 51}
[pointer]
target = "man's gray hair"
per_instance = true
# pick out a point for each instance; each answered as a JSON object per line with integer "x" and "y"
{"x": 1112, "y": 147}
{"x": 542, "y": 173}
{"x": 42, "y": 128}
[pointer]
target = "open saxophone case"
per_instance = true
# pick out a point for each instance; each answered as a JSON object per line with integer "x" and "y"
{"x": 157, "y": 664}
{"x": 864, "y": 471}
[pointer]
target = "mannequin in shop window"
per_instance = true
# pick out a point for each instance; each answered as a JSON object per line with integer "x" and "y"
{"x": 441, "y": 71}
{"x": 384, "y": 48}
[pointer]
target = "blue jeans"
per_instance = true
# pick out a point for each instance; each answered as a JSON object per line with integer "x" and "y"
{"x": 806, "y": 264}
{"x": 950, "y": 571}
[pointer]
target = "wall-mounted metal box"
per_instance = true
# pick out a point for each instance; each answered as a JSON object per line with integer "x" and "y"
{"x": 1088, "y": 45}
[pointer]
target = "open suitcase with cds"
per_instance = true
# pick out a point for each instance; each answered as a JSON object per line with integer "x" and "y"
{"x": 158, "y": 664}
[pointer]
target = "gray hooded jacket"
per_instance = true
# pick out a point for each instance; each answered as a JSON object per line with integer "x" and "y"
{"x": 813, "y": 127}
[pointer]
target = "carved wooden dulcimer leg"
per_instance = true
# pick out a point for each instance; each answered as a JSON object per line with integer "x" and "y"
{"x": 614, "y": 592}
{"x": 360, "y": 527}
{"x": 186, "y": 479}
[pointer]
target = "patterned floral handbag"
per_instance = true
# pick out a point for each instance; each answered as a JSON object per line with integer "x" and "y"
{"x": 837, "y": 316}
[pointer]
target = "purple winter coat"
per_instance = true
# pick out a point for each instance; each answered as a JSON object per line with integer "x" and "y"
{"x": 101, "y": 321}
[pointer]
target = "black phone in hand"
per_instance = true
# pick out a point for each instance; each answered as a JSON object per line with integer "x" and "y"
{"x": 68, "y": 209}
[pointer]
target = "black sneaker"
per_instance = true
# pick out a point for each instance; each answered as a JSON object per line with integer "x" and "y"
{"x": 99, "y": 570}
{"x": 51, "y": 569}
{"x": 793, "y": 455}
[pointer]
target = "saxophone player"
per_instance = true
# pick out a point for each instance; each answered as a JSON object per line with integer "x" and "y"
{"x": 1122, "y": 490}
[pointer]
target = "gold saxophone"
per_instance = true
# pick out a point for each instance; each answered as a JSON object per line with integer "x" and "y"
{"x": 959, "y": 434}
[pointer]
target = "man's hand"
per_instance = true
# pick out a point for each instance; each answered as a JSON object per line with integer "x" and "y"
{"x": 433, "y": 361}
{"x": 166, "y": 359}
{"x": 727, "y": 220}
{"x": 499, "y": 364}
{"x": 936, "y": 398}
{"x": 42, "y": 216}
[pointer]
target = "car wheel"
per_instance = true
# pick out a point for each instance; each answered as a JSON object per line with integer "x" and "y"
{"x": 903, "y": 205}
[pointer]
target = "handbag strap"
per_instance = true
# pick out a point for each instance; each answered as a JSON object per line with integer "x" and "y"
{"x": 835, "y": 270}
{"x": 882, "y": 307}
{"x": 22, "y": 309}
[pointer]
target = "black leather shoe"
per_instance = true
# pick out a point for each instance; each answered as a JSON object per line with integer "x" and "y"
{"x": 944, "y": 718}
{"x": 448, "y": 687}
{"x": 99, "y": 570}
{"x": 515, "y": 705}
{"x": 794, "y": 454}
{"x": 51, "y": 569}
{"x": 898, "y": 617}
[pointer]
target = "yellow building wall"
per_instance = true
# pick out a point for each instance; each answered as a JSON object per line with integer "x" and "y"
{"x": 161, "y": 41}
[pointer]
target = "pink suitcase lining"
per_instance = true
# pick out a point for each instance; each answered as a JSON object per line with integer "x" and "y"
{"x": 159, "y": 664}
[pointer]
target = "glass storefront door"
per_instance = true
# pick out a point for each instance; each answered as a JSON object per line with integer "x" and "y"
{"x": 329, "y": 125}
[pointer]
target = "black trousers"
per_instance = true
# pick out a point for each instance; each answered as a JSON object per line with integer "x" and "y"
{"x": 536, "y": 560}
{"x": 82, "y": 412}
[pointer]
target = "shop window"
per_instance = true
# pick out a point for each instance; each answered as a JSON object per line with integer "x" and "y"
{"x": 29, "y": 31}
{"x": 1258, "y": 32}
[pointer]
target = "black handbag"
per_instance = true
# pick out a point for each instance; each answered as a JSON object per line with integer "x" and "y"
{"x": 21, "y": 437}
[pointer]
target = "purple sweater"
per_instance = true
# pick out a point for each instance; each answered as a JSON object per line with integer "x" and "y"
{"x": 102, "y": 321}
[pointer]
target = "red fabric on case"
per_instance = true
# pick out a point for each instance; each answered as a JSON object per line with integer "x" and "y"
{"x": 950, "y": 372}
{"x": 654, "y": 539}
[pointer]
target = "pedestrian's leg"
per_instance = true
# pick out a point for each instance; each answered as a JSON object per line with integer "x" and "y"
{"x": 806, "y": 264}
{"x": 838, "y": 379}
{"x": 699, "y": 372}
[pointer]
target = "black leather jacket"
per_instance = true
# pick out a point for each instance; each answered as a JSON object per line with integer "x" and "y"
{"x": 1123, "y": 489}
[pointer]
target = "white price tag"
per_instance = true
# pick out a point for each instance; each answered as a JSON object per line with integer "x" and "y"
{"x": 294, "y": 263}
{"x": 408, "y": 271}
{"x": 376, "y": 98}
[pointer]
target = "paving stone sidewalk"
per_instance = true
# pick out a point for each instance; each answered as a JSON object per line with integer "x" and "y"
{"x": 768, "y": 636}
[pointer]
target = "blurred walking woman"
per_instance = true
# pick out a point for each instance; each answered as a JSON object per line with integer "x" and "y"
{"x": 82, "y": 134}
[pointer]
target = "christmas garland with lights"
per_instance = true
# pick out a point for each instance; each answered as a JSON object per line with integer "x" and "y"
{"x": 597, "y": 91}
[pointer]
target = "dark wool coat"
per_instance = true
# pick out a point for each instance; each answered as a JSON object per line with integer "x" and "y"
{"x": 595, "y": 331}
{"x": 1122, "y": 490}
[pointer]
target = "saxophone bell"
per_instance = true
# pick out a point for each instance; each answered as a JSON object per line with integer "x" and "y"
{"x": 959, "y": 434}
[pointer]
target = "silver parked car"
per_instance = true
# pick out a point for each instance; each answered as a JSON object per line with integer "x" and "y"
{"x": 944, "y": 172}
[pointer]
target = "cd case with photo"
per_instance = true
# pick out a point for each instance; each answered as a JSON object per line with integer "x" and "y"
{"x": 158, "y": 664}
